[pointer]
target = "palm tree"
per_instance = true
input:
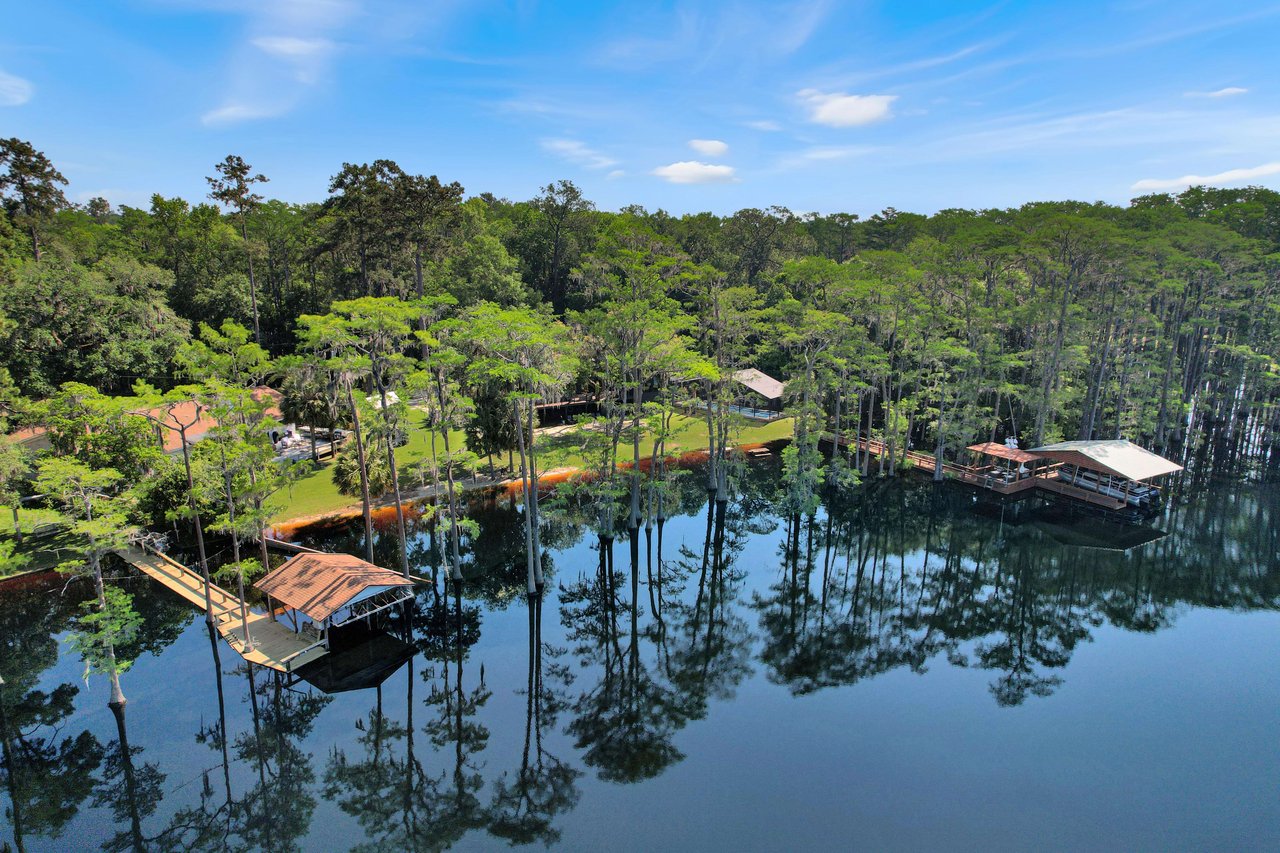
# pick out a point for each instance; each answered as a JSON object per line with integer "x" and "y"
{"x": 309, "y": 396}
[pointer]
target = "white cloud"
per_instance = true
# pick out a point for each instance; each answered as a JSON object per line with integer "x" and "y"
{"x": 292, "y": 47}
{"x": 615, "y": 174}
{"x": 1218, "y": 93}
{"x": 837, "y": 109}
{"x": 764, "y": 124}
{"x": 235, "y": 113}
{"x": 306, "y": 58}
{"x": 578, "y": 153}
{"x": 709, "y": 147}
{"x": 693, "y": 172}
{"x": 14, "y": 91}
{"x": 1230, "y": 176}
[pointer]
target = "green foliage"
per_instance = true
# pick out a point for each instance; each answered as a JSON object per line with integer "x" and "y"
{"x": 228, "y": 355}
{"x": 99, "y": 431}
{"x": 482, "y": 271}
{"x": 11, "y": 563}
{"x": 103, "y": 325}
{"x": 247, "y": 571}
{"x": 15, "y": 464}
{"x": 802, "y": 478}
{"x": 346, "y": 473}
{"x": 93, "y": 500}
{"x": 162, "y": 497}
{"x": 102, "y": 628}
{"x": 29, "y": 187}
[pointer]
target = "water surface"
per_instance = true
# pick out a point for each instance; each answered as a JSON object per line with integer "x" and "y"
{"x": 908, "y": 669}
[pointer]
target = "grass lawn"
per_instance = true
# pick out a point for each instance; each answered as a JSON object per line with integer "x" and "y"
{"x": 316, "y": 494}
{"x": 28, "y": 519}
{"x": 44, "y": 552}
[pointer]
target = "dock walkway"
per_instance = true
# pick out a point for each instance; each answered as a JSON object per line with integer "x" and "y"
{"x": 1045, "y": 478}
{"x": 274, "y": 645}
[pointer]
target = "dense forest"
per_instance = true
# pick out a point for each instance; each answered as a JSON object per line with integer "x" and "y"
{"x": 1158, "y": 322}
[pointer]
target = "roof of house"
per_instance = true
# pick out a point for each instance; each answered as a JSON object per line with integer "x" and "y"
{"x": 762, "y": 383}
{"x": 1118, "y": 457}
{"x": 321, "y": 584}
{"x": 187, "y": 412}
{"x": 992, "y": 448}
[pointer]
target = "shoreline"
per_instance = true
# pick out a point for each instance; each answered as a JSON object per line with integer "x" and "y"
{"x": 383, "y": 510}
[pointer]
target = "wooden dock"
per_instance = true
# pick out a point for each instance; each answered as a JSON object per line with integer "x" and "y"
{"x": 274, "y": 645}
{"x": 1045, "y": 478}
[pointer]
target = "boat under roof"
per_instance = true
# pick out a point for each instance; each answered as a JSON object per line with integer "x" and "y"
{"x": 1118, "y": 457}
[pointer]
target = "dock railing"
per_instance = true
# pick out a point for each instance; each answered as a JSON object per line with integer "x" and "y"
{"x": 1043, "y": 476}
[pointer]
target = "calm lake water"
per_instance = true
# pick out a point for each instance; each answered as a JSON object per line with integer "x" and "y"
{"x": 909, "y": 670}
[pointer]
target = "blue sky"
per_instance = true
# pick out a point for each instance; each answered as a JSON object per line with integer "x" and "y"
{"x": 818, "y": 106}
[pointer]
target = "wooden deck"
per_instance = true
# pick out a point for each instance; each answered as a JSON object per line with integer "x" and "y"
{"x": 274, "y": 645}
{"x": 1045, "y": 478}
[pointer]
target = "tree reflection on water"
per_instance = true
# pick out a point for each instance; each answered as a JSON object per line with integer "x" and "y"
{"x": 652, "y": 627}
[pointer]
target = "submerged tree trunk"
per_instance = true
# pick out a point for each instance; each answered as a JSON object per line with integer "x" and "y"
{"x": 95, "y": 565}
{"x": 455, "y": 532}
{"x": 636, "y": 403}
{"x": 195, "y": 516}
{"x": 524, "y": 492}
{"x": 395, "y": 475}
{"x": 364, "y": 473}
{"x": 536, "y": 521}
{"x": 12, "y": 773}
{"x": 235, "y": 557}
{"x": 130, "y": 778}
{"x": 712, "y": 460}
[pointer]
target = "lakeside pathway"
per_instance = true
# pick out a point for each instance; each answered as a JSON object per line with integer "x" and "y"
{"x": 274, "y": 645}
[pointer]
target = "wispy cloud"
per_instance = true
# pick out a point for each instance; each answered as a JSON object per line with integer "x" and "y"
{"x": 1228, "y": 92}
{"x": 820, "y": 155}
{"x": 845, "y": 74}
{"x": 709, "y": 147}
{"x": 236, "y": 113}
{"x": 576, "y": 107}
{"x": 291, "y": 47}
{"x": 1133, "y": 128}
{"x": 1209, "y": 24}
{"x": 1231, "y": 176}
{"x": 730, "y": 31}
{"x": 837, "y": 109}
{"x": 766, "y": 125}
{"x": 14, "y": 90}
{"x": 286, "y": 51}
{"x": 694, "y": 172}
{"x": 578, "y": 153}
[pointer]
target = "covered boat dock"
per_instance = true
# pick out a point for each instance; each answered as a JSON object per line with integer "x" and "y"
{"x": 1115, "y": 470}
{"x": 1114, "y": 475}
{"x": 320, "y": 592}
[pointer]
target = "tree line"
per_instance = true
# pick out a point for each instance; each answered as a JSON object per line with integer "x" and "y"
{"x": 1156, "y": 322}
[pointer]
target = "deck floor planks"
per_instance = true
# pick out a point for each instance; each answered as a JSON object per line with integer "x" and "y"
{"x": 274, "y": 645}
